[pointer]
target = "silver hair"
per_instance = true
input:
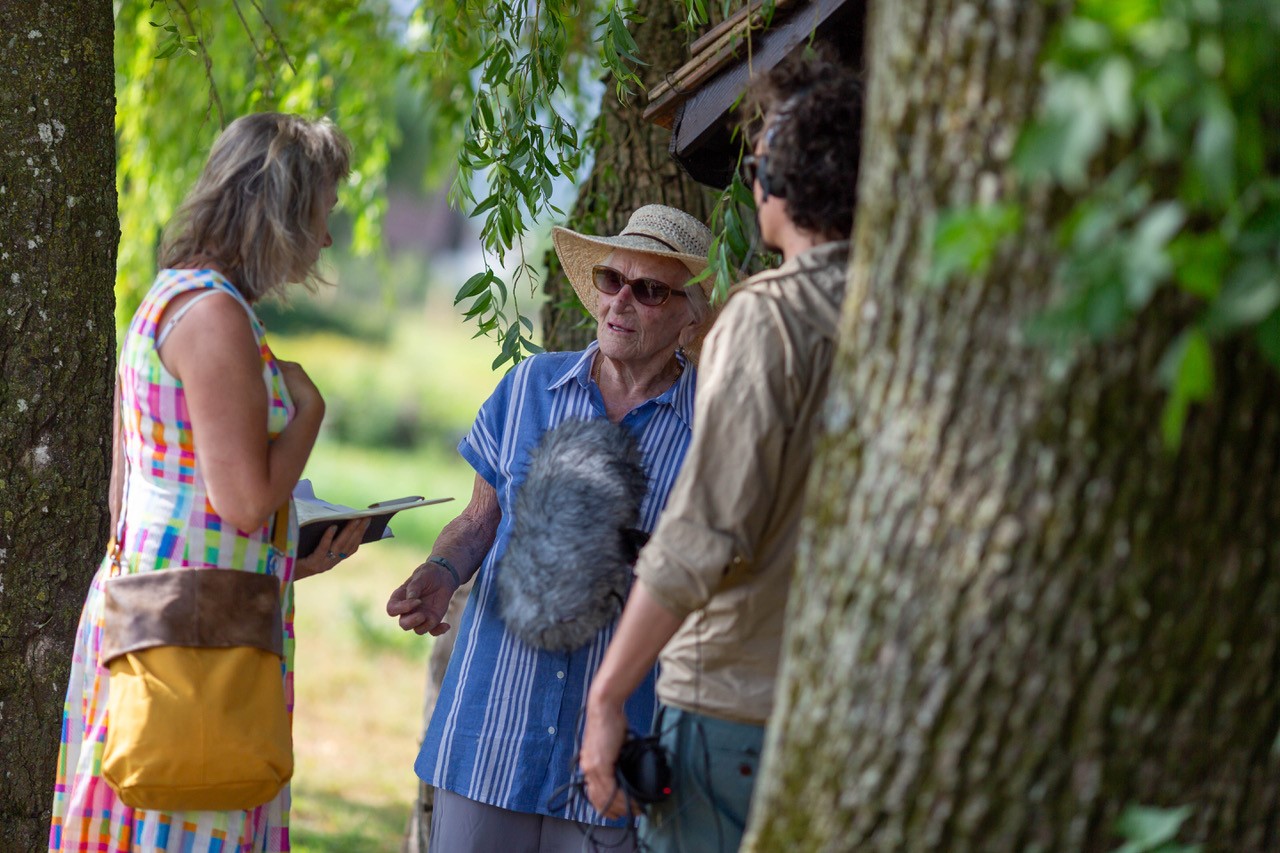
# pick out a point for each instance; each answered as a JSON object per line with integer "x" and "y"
{"x": 567, "y": 568}
{"x": 699, "y": 305}
{"x": 255, "y": 208}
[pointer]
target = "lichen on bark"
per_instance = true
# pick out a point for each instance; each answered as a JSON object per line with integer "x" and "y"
{"x": 1016, "y": 611}
{"x": 58, "y": 233}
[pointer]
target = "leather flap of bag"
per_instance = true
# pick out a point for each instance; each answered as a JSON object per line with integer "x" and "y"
{"x": 204, "y": 608}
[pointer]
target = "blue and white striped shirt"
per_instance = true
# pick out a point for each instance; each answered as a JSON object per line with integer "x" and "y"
{"x": 506, "y": 727}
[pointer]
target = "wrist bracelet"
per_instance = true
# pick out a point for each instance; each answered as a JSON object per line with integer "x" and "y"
{"x": 441, "y": 561}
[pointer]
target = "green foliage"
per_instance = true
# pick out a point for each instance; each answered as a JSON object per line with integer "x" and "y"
{"x": 320, "y": 57}
{"x": 965, "y": 239}
{"x": 523, "y": 96}
{"x": 734, "y": 253}
{"x": 397, "y": 393}
{"x": 1151, "y": 830}
{"x": 1162, "y": 118}
{"x": 505, "y": 86}
{"x": 517, "y": 109}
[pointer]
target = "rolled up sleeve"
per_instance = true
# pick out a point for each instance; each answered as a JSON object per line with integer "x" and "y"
{"x": 721, "y": 499}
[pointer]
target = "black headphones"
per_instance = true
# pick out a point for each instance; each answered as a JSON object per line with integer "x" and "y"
{"x": 771, "y": 180}
{"x": 768, "y": 174}
{"x": 643, "y": 769}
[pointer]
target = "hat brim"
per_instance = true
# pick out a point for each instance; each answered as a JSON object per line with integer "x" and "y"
{"x": 579, "y": 253}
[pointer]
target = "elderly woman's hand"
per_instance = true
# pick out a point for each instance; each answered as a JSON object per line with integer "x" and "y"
{"x": 421, "y": 601}
{"x": 334, "y": 547}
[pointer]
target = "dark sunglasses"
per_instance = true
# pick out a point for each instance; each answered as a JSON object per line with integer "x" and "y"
{"x": 647, "y": 291}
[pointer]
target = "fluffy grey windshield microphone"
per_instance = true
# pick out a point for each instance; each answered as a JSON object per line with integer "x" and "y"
{"x": 567, "y": 568}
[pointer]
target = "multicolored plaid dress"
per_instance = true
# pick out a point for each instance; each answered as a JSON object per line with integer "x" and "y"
{"x": 168, "y": 522}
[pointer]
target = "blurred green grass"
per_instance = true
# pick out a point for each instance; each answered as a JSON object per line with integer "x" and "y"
{"x": 396, "y": 404}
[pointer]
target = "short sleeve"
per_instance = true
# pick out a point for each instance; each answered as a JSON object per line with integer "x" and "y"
{"x": 482, "y": 445}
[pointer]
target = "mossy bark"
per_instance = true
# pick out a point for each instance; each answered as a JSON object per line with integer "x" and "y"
{"x": 58, "y": 234}
{"x": 1016, "y": 611}
{"x": 631, "y": 168}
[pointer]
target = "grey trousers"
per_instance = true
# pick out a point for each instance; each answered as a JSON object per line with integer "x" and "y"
{"x": 460, "y": 825}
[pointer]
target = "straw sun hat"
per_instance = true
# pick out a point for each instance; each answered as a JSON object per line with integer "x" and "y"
{"x": 654, "y": 229}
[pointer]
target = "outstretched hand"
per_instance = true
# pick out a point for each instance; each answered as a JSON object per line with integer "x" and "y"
{"x": 421, "y": 601}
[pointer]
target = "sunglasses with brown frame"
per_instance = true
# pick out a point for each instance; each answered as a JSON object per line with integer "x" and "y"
{"x": 647, "y": 291}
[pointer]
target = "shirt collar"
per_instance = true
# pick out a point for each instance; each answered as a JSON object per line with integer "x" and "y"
{"x": 579, "y": 370}
{"x": 821, "y": 255}
{"x": 679, "y": 396}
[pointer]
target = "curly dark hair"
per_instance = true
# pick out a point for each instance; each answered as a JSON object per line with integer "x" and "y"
{"x": 811, "y": 106}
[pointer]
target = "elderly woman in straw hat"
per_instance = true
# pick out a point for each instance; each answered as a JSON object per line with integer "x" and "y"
{"x": 500, "y": 746}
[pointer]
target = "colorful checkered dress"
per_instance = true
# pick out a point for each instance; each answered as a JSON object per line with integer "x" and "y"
{"x": 169, "y": 522}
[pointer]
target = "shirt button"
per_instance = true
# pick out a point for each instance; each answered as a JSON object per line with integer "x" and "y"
{"x": 551, "y": 730}
{"x": 560, "y": 674}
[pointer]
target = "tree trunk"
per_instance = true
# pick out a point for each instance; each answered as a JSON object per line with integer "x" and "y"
{"x": 1016, "y": 611}
{"x": 58, "y": 233}
{"x": 632, "y": 168}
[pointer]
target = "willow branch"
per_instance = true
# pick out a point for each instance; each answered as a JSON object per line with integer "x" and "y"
{"x": 284, "y": 52}
{"x": 208, "y": 64}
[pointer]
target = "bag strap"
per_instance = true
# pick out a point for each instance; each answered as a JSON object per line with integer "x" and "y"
{"x": 180, "y": 312}
{"x": 279, "y": 535}
{"x": 117, "y": 538}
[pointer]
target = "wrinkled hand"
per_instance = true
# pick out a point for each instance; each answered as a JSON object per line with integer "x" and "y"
{"x": 335, "y": 546}
{"x": 602, "y": 738}
{"x": 302, "y": 391}
{"x": 422, "y": 600}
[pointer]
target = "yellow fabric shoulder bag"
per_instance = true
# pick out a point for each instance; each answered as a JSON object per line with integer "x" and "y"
{"x": 196, "y": 714}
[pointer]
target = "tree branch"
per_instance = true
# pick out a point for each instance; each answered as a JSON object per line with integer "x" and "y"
{"x": 208, "y": 64}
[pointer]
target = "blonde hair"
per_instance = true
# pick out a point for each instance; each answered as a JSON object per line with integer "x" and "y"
{"x": 255, "y": 207}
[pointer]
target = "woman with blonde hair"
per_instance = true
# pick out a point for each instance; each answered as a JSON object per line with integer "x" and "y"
{"x": 211, "y": 436}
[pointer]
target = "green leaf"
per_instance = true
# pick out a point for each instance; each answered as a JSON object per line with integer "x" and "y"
{"x": 1105, "y": 308}
{"x": 482, "y": 304}
{"x": 1251, "y": 292}
{"x": 486, "y": 205}
{"x": 503, "y": 357}
{"x": 1147, "y": 261}
{"x": 736, "y": 235}
{"x": 966, "y": 239}
{"x": 1199, "y": 263}
{"x": 1187, "y": 371}
{"x": 486, "y": 111}
{"x": 1072, "y": 128}
{"x": 1268, "y": 338}
{"x": 1115, "y": 89}
{"x": 472, "y": 286}
{"x": 1149, "y": 829}
{"x": 1214, "y": 153}
{"x": 741, "y": 194}
{"x": 625, "y": 44}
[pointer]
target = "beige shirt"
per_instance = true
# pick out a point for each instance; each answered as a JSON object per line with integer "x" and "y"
{"x": 724, "y": 549}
